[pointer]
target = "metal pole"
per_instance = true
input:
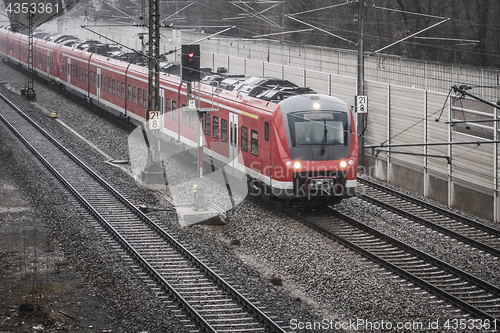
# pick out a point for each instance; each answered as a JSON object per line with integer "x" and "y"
{"x": 153, "y": 173}
{"x": 361, "y": 80}
{"x": 154, "y": 69}
{"x": 28, "y": 89}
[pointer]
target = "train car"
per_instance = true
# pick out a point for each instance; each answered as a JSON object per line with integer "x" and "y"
{"x": 45, "y": 55}
{"x": 292, "y": 144}
{"x": 107, "y": 87}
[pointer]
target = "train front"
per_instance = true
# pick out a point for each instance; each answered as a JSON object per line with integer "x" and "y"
{"x": 315, "y": 159}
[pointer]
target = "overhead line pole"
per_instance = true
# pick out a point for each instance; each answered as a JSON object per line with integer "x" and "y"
{"x": 361, "y": 117}
{"x": 153, "y": 173}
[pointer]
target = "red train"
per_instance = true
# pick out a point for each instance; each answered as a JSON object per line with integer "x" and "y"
{"x": 293, "y": 143}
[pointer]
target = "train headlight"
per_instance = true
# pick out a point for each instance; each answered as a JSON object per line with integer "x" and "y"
{"x": 351, "y": 162}
{"x": 297, "y": 165}
{"x": 316, "y": 105}
{"x": 343, "y": 164}
{"x": 288, "y": 163}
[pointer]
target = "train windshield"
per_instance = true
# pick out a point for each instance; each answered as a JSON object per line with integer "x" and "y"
{"x": 318, "y": 128}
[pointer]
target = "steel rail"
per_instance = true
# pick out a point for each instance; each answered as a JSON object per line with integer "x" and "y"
{"x": 399, "y": 270}
{"x": 432, "y": 207}
{"x": 437, "y": 210}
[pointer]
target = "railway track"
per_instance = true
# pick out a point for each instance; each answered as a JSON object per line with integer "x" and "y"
{"x": 477, "y": 297}
{"x": 212, "y": 304}
{"x": 459, "y": 227}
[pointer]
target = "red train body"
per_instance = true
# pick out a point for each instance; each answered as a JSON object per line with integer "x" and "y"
{"x": 304, "y": 147}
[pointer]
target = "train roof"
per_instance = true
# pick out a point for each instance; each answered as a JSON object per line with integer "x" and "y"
{"x": 305, "y": 102}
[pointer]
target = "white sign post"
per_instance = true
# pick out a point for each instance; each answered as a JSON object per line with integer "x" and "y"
{"x": 154, "y": 120}
{"x": 361, "y": 104}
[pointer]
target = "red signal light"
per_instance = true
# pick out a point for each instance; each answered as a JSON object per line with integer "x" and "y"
{"x": 190, "y": 62}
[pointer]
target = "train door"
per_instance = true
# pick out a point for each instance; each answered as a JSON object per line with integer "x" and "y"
{"x": 162, "y": 101}
{"x": 233, "y": 141}
{"x": 48, "y": 63}
{"x": 162, "y": 107}
{"x": 98, "y": 93}
{"x": 69, "y": 72}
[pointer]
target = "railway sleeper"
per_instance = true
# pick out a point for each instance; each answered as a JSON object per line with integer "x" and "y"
{"x": 494, "y": 299}
{"x": 467, "y": 290}
{"x": 433, "y": 272}
{"x": 379, "y": 244}
{"x": 435, "y": 280}
{"x": 415, "y": 269}
{"x": 253, "y": 324}
{"x": 219, "y": 310}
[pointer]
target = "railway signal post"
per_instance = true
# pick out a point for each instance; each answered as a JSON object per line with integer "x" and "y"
{"x": 190, "y": 72}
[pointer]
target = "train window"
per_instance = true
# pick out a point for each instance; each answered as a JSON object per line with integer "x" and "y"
{"x": 207, "y": 124}
{"x": 139, "y": 96}
{"x": 183, "y": 114}
{"x": 167, "y": 108}
{"x": 266, "y": 131}
{"x": 223, "y": 130}
{"x": 318, "y": 128}
{"x": 254, "y": 143}
{"x": 86, "y": 75}
{"x": 114, "y": 84}
{"x": 105, "y": 82}
{"x": 129, "y": 93}
{"x": 117, "y": 88}
{"x": 215, "y": 127}
{"x": 244, "y": 138}
{"x": 174, "y": 110}
{"x": 123, "y": 90}
{"x": 133, "y": 94}
{"x": 144, "y": 98}
{"x": 109, "y": 84}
